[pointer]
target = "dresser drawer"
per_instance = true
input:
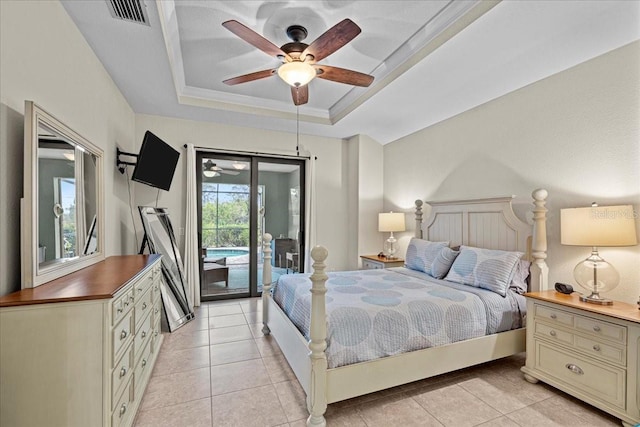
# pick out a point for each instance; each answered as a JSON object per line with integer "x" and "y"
{"x": 143, "y": 335}
{"x": 121, "y": 306}
{"x": 143, "y": 284}
{"x": 603, "y": 350}
{"x": 123, "y": 411}
{"x": 144, "y": 306}
{"x": 121, "y": 374}
{"x": 554, "y": 315}
{"x": 598, "y": 380}
{"x": 543, "y": 330}
{"x": 142, "y": 372}
{"x": 121, "y": 334}
{"x": 602, "y": 329}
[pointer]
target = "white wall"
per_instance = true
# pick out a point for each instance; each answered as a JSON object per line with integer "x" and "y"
{"x": 575, "y": 133}
{"x": 331, "y": 194}
{"x": 45, "y": 59}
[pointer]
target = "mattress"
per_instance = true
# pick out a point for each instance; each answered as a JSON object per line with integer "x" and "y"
{"x": 378, "y": 313}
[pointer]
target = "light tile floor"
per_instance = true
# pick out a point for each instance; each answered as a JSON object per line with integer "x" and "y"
{"x": 219, "y": 370}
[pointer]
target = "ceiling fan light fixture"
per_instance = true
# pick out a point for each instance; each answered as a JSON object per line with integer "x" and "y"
{"x": 239, "y": 166}
{"x": 210, "y": 173}
{"x": 296, "y": 73}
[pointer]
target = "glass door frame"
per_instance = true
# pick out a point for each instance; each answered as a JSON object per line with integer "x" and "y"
{"x": 254, "y": 161}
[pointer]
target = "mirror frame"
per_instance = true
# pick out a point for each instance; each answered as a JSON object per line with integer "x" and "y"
{"x": 32, "y": 273}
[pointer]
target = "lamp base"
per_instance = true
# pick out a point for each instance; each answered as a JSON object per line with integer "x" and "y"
{"x": 596, "y": 299}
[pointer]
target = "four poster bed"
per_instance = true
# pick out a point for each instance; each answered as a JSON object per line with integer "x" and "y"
{"x": 345, "y": 351}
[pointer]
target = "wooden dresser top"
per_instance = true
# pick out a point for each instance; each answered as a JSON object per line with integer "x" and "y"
{"x": 618, "y": 309}
{"x": 98, "y": 281}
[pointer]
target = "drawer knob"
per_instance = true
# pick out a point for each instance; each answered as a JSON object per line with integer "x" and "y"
{"x": 139, "y": 289}
{"x": 553, "y": 316}
{"x": 123, "y": 371}
{"x": 123, "y": 334}
{"x": 596, "y": 347}
{"x": 120, "y": 309}
{"x": 144, "y": 334}
{"x": 575, "y": 369}
{"x": 144, "y": 362}
{"x": 126, "y": 303}
{"x": 596, "y": 328}
{"x": 144, "y": 305}
{"x": 552, "y": 333}
{"x": 123, "y": 409}
{"x": 156, "y": 311}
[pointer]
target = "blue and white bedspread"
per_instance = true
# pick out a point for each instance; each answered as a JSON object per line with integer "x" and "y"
{"x": 377, "y": 313}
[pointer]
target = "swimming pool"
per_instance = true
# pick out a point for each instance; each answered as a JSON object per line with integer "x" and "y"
{"x": 226, "y": 252}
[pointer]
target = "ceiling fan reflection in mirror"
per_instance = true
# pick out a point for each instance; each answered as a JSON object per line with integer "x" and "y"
{"x": 299, "y": 60}
{"x": 210, "y": 170}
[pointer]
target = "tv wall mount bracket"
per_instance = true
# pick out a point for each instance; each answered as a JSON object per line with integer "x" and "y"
{"x": 121, "y": 164}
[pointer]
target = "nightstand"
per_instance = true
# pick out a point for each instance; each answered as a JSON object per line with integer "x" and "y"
{"x": 586, "y": 350}
{"x": 372, "y": 262}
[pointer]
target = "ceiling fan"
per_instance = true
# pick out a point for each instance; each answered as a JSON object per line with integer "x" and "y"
{"x": 210, "y": 169}
{"x": 299, "y": 60}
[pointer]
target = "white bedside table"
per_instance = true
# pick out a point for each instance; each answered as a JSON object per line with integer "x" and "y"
{"x": 372, "y": 262}
{"x": 589, "y": 351}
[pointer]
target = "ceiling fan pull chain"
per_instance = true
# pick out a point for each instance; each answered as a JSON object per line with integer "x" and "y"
{"x": 297, "y": 130}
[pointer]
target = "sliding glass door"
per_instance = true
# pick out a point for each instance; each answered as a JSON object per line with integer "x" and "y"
{"x": 241, "y": 198}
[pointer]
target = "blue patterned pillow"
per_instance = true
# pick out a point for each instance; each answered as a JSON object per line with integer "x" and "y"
{"x": 443, "y": 262}
{"x": 422, "y": 253}
{"x": 484, "y": 268}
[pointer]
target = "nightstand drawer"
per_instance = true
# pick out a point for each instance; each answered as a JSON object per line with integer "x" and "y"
{"x": 602, "y": 350}
{"x": 370, "y": 265}
{"x": 599, "y": 380}
{"x": 554, "y": 315}
{"x": 543, "y": 330}
{"x": 602, "y": 329}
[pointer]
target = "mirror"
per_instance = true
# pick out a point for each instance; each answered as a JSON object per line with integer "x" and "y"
{"x": 62, "y": 208}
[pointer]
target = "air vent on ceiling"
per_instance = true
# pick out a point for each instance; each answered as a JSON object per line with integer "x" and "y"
{"x": 129, "y": 10}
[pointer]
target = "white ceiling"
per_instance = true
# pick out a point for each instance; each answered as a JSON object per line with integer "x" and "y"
{"x": 431, "y": 59}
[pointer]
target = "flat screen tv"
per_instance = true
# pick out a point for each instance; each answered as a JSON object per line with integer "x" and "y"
{"x": 156, "y": 163}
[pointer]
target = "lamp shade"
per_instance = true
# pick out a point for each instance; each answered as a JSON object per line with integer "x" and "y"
{"x": 598, "y": 226}
{"x": 392, "y": 221}
{"x": 296, "y": 73}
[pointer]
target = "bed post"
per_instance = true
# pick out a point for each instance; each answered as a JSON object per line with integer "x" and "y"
{"x": 317, "y": 396}
{"x": 539, "y": 269}
{"x": 418, "y": 232}
{"x": 266, "y": 282}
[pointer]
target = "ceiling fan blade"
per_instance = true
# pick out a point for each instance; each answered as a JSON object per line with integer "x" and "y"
{"x": 255, "y": 39}
{"x": 250, "y": 77}
{"x": 226, "y": 172}
{"x": 342, "y": 75}
{"x": 332, "y": 40}
{"x": 300, "y": 94}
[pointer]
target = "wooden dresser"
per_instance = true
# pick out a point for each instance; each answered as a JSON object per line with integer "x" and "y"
{"x": 587, "y": 350}
{"x": 78, "y": 351}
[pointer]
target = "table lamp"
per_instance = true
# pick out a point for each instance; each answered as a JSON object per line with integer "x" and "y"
{"x": 390, "y": 222}
{"x": 597, "y": 226}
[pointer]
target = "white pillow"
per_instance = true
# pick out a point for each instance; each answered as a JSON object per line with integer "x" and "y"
{"x": 422, "y": 253}
{"x": 484, "y": 268}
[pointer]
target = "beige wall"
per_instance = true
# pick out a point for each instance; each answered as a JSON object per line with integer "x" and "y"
{"x": 365, "y": 198}
{"x": 45, "y": 59}
{"x": 331, "y": 182}
{"x": 575, "y": 134}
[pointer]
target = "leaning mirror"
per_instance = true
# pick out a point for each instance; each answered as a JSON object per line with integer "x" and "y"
{"x": 62, "y": 209}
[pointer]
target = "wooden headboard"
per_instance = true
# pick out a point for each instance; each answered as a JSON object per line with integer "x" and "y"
{"x": 492, "y": 224}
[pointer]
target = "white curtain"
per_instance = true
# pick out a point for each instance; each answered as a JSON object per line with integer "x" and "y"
{"x": 310, "y": 212}
{"x": 191, "y": 249}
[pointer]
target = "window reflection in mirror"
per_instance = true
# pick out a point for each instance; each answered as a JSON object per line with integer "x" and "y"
{"x": 62, "y": 222}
